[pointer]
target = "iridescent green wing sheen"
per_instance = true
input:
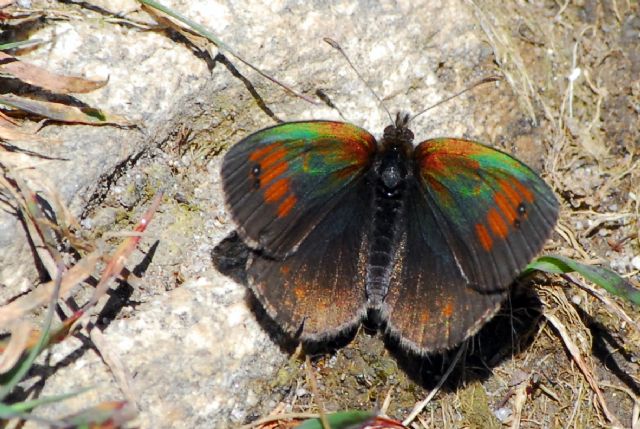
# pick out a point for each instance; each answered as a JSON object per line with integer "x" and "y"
{"x": 281, "y": 181}
{"x": 474, "y": 218}
{"x": 500, "y": 209}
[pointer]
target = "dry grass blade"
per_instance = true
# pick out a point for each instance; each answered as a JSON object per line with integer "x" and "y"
{"x": 575, "y": 353}
{"x": 42, "y": 78}
{"x": 612, "y": 306}
{"x": 16, "y": 346}
{"x": 155, "y": 8}
{"x": 64, "y": 113}
{"x": 314, "y": 389}
{"x": 7, "y": 121}
{"x": 116, "y": 263}
{"x": 417, "y": 409}
{"x": 72, "y": 277}
{"x": 114, "y": 267}
{"x": 13, "y": 133}
{"x": 118, "y": 369}
{"x": 38, "y": 227}
{"x": 518, "y": 405}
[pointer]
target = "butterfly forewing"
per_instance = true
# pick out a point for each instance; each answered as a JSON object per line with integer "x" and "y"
{"x": 500, "y": 210}
{"x": 281, "y": 181}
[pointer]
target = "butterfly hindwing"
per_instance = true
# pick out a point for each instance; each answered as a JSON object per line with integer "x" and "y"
{"x": 318, "y": 291}
{"x": 430, "y": 306}
{"x": 474, "y": 217}
{"x": 281, "y": 181}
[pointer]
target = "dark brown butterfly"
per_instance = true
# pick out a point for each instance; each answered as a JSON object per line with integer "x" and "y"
{"x": 424, "y": 240}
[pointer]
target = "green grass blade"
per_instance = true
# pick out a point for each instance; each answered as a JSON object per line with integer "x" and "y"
{"x": 44, "y": 339}
{"x": 200, "y": 29}
{"x": 21, "y": 44}
{"x": 9, "y": 411}
{"x": 605, "y": 278}
{"x": 339, "y": 420}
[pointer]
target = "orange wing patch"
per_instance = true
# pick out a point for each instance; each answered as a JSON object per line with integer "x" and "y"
{"x": 286, "y": 206}
{"x": 511, "y": 201}
{"x": 483, "y": 235}
{"x": 508, "y": 210}
{"x": 277, "y": 191}
{"x": 447, "y": 310}
{"x": 270, "y": 165}
{"x": 497, "y": 224}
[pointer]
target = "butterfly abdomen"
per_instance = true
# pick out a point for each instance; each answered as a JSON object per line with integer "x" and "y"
{"x": 390, "y": 187}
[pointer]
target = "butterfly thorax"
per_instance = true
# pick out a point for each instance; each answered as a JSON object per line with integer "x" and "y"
{"x": 392, "y": 168}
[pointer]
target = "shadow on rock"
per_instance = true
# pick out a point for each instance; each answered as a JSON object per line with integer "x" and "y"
{"x": 505, "y": 335}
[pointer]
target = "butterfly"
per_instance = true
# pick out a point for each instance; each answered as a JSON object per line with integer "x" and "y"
{"x": 424, "y": 241}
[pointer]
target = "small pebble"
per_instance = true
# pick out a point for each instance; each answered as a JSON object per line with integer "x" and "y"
{"x": 635, "y": 262}
{"x": 502, "y": 414}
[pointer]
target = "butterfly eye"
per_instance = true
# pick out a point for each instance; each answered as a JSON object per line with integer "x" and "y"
{"x": 406, "y": 135}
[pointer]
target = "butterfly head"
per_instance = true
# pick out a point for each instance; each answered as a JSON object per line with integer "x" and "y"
{"x": 398, "y": 135}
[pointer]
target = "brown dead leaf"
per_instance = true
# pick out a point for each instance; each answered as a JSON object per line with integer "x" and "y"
{"x": 7, "y": 121}
{"x": 42, "y": 78}
{"x": 14, "y": 134}
{"x": 63, "y": 112}
{"x": 163, "y": 19}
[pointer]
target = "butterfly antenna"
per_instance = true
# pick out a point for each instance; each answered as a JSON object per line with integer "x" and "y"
{"x": 338, "y": 48}
{"x": 444, "y": 100}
